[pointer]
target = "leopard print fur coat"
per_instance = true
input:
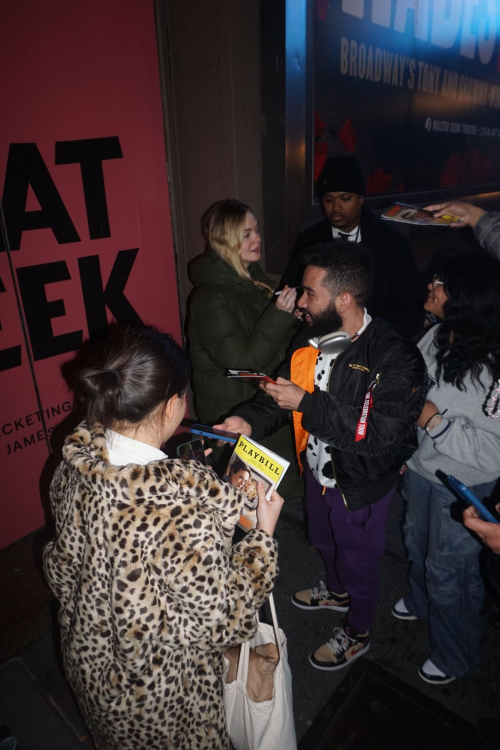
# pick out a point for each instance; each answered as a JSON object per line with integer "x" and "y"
{"x": 151, "y": 593}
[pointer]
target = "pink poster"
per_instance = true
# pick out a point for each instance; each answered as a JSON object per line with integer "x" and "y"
{"x": 84, "y": 187}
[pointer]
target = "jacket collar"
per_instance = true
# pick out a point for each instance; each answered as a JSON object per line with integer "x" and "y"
{"x": 367, "y": 222}
{"x": 160, "y": 482}
{"x": 210, "y": 268}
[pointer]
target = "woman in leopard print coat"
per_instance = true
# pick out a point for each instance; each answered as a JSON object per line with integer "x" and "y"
{"x": 151, "y": 591}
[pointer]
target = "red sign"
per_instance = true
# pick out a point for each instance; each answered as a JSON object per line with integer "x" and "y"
{"x": 85, "y": 197}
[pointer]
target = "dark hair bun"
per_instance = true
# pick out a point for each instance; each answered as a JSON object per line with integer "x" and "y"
{"x": 128, "y": 376}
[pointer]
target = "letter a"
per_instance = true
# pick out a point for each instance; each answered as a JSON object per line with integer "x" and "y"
{"x": 25, "y": 167}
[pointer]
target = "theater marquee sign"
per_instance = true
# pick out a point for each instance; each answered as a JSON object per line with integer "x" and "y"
{"x": 412, "y": 87}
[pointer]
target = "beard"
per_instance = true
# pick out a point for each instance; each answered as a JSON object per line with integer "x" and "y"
{"x": 327, "y": 321}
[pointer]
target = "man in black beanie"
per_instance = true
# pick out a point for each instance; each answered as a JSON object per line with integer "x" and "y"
{"x": 396, "y": 295}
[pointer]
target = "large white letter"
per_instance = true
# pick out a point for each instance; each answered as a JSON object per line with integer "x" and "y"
{"x": 468, "y": 43}
{"x": 420, "y": 10}
{"x": 402, "y": 8}
{"x": 486, "y": 44}
{"x": 381, "y": 12}
{"x": 354, "y": 7}
{"x": 422, "y": 20}
{"x": 445, "y": 27}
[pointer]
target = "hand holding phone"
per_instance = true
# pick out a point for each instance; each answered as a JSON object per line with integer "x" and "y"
{"x": 489, "y": 533}
{"x": 215, "y": 434}
{"x": 469, "y": 497}
{"x": 235, "y": 426}
{"x": 193, "y": 450}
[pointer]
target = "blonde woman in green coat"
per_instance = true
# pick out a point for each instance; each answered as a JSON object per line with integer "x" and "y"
{"x": 234, "y": 324}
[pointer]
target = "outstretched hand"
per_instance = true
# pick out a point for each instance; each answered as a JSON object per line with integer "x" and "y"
{"x": 286, "y": 394}
{"x": 467, "y": 214}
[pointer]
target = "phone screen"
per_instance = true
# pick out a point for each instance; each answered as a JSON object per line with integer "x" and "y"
{"x": 192, "y": 451}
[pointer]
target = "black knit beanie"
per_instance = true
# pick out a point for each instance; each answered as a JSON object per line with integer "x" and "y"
{"x": 341, "y": 174}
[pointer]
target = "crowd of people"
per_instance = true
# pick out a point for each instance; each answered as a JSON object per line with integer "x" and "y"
{"x": 153, "y": 586}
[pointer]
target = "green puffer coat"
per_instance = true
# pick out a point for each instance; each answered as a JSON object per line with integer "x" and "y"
{"x": 233, "y": 325}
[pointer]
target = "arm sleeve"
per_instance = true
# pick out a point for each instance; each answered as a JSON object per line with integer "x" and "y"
{"x": 216, "y": 595}
{"x": 63, "y": 557}
{"x": 466, "y": 443}
{"x": 397, "y": 403}
{"x": 487, "y": 232}
{"x": 219, "y": 332}
{"x": 263, "y": 413}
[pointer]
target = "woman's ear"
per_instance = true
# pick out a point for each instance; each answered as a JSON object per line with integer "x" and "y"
{"x": 168, "y": 409}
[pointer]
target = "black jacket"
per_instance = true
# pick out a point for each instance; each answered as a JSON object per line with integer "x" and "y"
{"x": 396, "y": 295}
{"x": 365, "y": 471}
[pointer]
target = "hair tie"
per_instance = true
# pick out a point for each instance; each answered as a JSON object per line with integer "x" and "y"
{"x": 117, "y": 375}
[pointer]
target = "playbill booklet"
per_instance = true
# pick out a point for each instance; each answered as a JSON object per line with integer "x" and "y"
{"x": 414, "y": 215}
{"x": 249, "y": 464}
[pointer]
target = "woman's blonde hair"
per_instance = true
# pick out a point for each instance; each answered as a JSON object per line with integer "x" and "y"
{"x": 224, "y": 228}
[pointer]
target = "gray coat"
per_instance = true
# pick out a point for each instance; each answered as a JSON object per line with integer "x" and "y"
{"x": 466, "y": 443}
{"x": 487, "y": 232}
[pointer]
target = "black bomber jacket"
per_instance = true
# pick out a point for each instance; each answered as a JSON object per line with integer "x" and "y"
{"x": 365, "y": 471}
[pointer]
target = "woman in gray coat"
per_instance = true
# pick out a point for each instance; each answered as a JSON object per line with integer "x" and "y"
{"x": 457, "y": 436}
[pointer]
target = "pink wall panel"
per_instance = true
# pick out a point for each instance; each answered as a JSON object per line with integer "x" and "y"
{"x": 85, "y": 194}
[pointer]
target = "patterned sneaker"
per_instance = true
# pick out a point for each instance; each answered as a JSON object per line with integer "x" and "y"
{"x": 341, "y": 650}
{"x": 321, "y": 598}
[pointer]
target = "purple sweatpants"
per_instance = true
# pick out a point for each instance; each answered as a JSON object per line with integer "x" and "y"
{"x": 351, "y": 544}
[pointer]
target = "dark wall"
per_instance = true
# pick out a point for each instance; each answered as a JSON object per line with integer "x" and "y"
{"x": 210, "y": 62}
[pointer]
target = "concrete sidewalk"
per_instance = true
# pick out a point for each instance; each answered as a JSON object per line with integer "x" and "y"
{"x": 399, "y": 647}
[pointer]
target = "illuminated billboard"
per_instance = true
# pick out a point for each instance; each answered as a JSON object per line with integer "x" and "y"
{"x": 412, "y": 88}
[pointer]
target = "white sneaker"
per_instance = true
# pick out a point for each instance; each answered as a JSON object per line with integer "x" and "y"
{"x": 433, "y": 675}
{"x": 399, "y": 610}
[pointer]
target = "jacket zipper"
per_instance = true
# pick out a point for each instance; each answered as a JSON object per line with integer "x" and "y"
{"x": 331, "y": 457}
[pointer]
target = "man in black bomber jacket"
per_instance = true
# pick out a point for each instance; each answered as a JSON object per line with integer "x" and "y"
{"x": 354, "y": 416}
{"x": 396, "y": 294}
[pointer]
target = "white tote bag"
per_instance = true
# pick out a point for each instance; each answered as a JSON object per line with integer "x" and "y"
{"x": 267, "y": 725}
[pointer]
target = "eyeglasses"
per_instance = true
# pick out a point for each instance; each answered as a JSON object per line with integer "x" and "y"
{"x": 436, "y": 281}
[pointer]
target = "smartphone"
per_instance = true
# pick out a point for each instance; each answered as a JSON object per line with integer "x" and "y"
{"x": 469, "y": 497}
{"x": 249, "y": 376}
{"x": 192, "y": 451}
{"x": 210, "y": 432}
